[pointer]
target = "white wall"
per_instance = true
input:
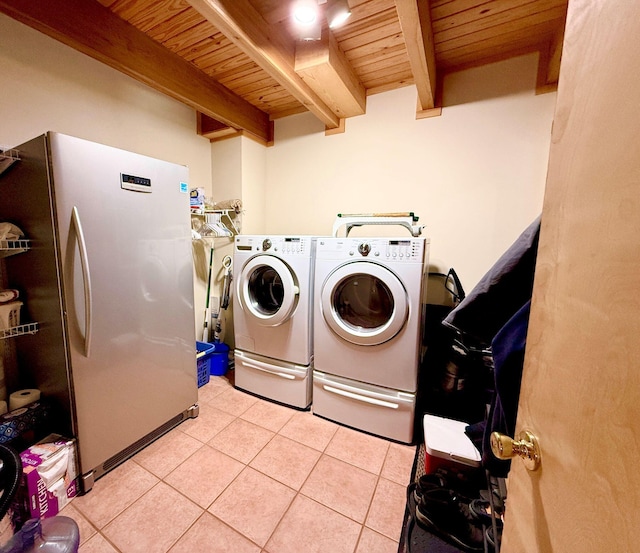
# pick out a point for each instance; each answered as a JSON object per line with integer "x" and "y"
{"x": 254, "y": 175}
{"x": 474, "y": 175}
{"x": 48, "y": 86}
{"x": 239, "y": 171}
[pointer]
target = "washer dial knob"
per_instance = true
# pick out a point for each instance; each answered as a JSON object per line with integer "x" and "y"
{"x": 364, "y": 249}
{"x": 266, "y": 244}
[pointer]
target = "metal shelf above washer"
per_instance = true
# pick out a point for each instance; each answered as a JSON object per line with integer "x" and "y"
{"x": 213, "y": 223}
{"x": 7, "y": 159}
{"x": 12, "y": 247}
{"x": 20, "y": 330}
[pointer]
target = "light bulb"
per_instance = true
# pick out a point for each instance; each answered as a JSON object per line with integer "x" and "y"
{"x": 305, "y": 12}
{"x": 337, "y": 13}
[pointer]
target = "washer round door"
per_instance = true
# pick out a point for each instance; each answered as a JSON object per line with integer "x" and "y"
{"x": 364, "y": 303}
{"x": 268, "y": 290}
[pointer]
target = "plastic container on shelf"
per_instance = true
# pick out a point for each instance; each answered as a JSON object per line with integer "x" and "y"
{"x": 10, "y": 314}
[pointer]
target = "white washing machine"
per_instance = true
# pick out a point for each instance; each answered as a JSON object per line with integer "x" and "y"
{"x": 368, "y": 320}
{"x": 273, "y": 317}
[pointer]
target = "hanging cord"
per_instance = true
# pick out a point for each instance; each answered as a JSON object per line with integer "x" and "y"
{"x": 227, "y": 262}
{"x": 207, "y": 309}
{"x": 458, "y": 294}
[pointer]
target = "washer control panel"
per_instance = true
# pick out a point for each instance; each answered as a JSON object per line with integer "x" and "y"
{"x": 289, "y": 245}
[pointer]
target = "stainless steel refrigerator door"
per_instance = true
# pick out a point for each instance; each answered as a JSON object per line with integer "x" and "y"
{"x": 128, "y": 289}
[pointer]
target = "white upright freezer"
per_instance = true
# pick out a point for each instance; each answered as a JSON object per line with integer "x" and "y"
{"x": 109, "y": 280}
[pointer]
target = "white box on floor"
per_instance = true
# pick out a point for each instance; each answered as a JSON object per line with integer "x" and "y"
{"x": 447, "y": 445}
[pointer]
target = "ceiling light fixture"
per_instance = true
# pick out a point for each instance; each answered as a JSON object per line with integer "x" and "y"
{"x": 305, "y": 12}
{"x": 305, "y": 15}
{"x": 310, "y": 32}
{"x": 337, "y": 13}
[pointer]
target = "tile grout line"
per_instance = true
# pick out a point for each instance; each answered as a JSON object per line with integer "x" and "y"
{"x": 298, "y": 491}
{"x": 246, "y": 465}
{"x": 160, "y": 480}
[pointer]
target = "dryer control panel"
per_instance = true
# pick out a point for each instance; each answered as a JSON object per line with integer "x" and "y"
{"x": 404, "y": 249}
{"x": 376, "y": 249}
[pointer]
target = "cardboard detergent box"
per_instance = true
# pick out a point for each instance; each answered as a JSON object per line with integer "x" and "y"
{"x": 49, "y": 477}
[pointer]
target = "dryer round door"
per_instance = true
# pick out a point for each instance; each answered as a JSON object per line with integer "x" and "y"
{"x": 268, "y": 290}
{"x": 364, "y": 303}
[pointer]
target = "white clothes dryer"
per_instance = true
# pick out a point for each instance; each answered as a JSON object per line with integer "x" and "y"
{"x": 273, "y": 316}
{"x": 368, "y": 312}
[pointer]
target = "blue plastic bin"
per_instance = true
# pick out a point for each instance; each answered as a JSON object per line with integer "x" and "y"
{"x": 204, "y": 353}
{"x": 219, "y": 359}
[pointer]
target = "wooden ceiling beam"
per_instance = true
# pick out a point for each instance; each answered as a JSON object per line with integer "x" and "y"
{"x": 555, "y": 56}
{"x": 415, "y": 21}
{"x": 216, "y": 131}
{"x": 268, "y": 46}
{"x": 323, "y": 66}
{"x": 213, "y": 129}
{"x": 549, "y": 57}
{"x": 89, "y": 27}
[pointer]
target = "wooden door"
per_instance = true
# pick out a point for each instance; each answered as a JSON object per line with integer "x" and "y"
{"x": 581, "y": 383}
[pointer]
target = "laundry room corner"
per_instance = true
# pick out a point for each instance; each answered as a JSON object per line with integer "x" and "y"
{"x": 237, "y": 175}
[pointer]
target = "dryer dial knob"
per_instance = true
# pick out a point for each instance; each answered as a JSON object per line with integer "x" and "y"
{"x": 364, "y": 248}
{"x": 266, "y": 244}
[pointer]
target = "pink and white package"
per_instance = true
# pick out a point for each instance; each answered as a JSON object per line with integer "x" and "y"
{"x": 50, "y": 475}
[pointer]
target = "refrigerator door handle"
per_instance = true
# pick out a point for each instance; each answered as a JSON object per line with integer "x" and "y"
{"x": 86, "y": 278}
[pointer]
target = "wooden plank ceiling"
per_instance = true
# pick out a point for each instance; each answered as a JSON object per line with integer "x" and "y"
{"x": 238, "y": 63}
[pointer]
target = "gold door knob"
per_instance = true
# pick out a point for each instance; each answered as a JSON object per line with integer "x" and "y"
{"x": 526, "y": 447}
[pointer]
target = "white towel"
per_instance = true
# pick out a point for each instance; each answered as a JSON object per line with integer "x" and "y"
{"x": 9, "y": 231}
{"x": 234, "y": 205}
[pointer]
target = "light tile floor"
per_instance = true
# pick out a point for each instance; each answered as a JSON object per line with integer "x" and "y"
{"x": 250, "y": 476}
